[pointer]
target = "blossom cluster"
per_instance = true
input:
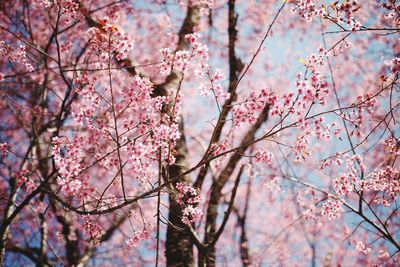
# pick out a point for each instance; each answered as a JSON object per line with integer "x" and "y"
{"x": 301, "y": 149}
{"x": 215, "y": 86}
{"x": 205, "y": 6}
{"x": 24, "y": 179}
{"x": 191, "y": 214}
{"x": 17, "y": 55}
{"x": 307, "y": 200}
{"x": 92, "y": 99}
{"x": 384, "y": 180}
{"x": 392, "y": 10}
{"x": 185, "y": 60}
{"x": 332, "y": 208}
{"x": 364, "y": 106}
{"x": 4, "y": 149}
{"x": 344, "y": 12}
{"x": 272, "y": 184}
{"x": 264, "y": 157}
{"x": 186, "y": 194}
{"x": 311, "y": 90}
{"x": 316, "y": 60}
{"x": 394, "y": 64}
{"x": 140, "y": 161}
{"x": 68, "y": 8}
{"x": 314, "y": 129}
{"x": 108, "y": 40}
{"x": 92, "y": 229}
{"x": 138, "y": 236}
{"x": 248, "y": 110}
{"x": 199, "y": 49}
{"x": 168, "y": 60}
{"x": 220, "y": 147}
{"x": 347, "y": 182}
{"x": 392, "y": 145}
{"x": 139, "y": 91}
{"x": 68, "y": 157}
{"x": 46, "y": 3}
{"x": 188, "y": 197}
{"x": 165, "y": 137}
{"x": 366, "y": 103}
{"x": 344, "y": 184}
{"x": 307, "y": 9}
{"x": 361, "y": 247}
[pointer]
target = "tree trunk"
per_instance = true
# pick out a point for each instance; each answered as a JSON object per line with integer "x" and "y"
{"x": 179, "y": 244}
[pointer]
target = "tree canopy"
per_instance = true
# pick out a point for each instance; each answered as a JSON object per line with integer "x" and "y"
{"x": 199, "y": 133}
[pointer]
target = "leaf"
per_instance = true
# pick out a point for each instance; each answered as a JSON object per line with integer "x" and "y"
{"x": 333, "y": 5}
{"x": 302, "y": 60}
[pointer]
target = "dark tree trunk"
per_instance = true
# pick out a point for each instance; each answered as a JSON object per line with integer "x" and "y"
{"x": 179, "y": 244}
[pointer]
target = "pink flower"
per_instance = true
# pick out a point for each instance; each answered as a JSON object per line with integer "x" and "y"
{"x": 191, "y": 214}
{"x": 363, "y": 248}
{"x": 332, "y": 208}
{"x": 138, "y": 236}
{"x": 4, "y": 149}
{"x": 264, "y": 157}
{"x": 187, "y": 194}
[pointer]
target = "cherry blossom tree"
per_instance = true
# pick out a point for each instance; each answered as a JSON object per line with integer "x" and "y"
{"x": 199, "y": 133}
